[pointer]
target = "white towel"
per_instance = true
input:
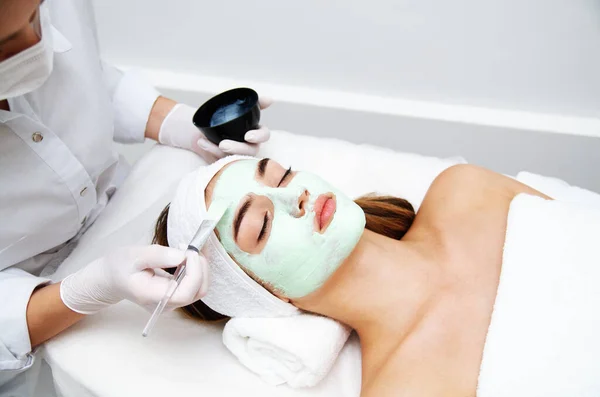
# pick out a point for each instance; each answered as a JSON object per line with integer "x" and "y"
{"x": 298, "y": 350}
{"x": 544, "y": 336}
{"x": 559, "y": 189}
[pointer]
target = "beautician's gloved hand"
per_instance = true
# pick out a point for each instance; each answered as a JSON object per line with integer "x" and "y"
{"x": 178, "y": 130}
{"x": 135, "y": 274}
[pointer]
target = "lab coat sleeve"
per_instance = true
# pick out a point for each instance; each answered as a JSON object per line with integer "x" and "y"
{"x": 133, "y": 97}
{"x": 16, "y": 287}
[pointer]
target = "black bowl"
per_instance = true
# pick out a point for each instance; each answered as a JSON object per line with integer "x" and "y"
{"x": 242, "y": 114}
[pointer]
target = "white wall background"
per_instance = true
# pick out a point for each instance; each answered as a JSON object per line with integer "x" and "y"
{"x": 540, "y": 58}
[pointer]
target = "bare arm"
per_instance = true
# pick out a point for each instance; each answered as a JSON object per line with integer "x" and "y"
{"x": 47, "y": 315}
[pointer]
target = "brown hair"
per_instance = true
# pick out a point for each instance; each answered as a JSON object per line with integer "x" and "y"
{"x": 386, "y": 215}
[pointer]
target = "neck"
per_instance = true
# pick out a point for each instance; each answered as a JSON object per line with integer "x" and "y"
{"x": 4, "y": 105}
{"x": 384, "y": 287}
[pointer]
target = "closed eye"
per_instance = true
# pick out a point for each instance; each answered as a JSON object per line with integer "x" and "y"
{"x": 285, "y": 176}
{"x": 263, "y": 231}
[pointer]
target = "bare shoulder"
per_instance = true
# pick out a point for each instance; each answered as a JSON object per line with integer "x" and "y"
{"x": 469, "y": 183}
{"x": 467, "y": 188}
{"x": 466, "y": 175}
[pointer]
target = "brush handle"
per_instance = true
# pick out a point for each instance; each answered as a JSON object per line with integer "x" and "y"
{"x": 175, "y": 281}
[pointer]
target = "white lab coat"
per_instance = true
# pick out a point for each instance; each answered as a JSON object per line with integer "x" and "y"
{"x": 58, "y": 166}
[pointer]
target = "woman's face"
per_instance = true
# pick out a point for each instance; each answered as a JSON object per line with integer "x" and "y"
{"x": 291, "y": 230}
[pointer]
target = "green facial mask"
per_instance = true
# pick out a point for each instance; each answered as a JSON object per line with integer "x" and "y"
{"x": 296, "y": 260}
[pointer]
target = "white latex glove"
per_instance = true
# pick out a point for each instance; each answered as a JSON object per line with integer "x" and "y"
{"x": 178, "y": 130}
{"x": 134, "y": 274}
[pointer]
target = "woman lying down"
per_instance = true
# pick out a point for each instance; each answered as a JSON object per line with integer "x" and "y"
{"x": 491, "y": 289}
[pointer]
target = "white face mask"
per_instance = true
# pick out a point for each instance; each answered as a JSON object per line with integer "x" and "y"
{"x": 29, "y": 69}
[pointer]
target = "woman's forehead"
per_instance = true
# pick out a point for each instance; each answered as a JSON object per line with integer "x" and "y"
{"x": 210, "y": 188}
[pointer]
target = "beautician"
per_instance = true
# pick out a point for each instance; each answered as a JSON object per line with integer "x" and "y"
{"x": 61, "y": 107}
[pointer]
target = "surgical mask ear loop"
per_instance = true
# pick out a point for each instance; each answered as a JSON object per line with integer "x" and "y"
{"x": 36, "y": 23}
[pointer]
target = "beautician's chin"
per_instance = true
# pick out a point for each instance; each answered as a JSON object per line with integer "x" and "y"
{"x": 325, "y": 209}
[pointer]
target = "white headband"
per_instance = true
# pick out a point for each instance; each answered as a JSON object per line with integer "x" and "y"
{"x": 231, "y": 291}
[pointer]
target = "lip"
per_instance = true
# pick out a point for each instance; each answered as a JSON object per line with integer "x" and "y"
{"x": 322, "y": 224}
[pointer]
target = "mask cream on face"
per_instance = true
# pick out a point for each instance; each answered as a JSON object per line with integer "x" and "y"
{"x": 296, "y": 260}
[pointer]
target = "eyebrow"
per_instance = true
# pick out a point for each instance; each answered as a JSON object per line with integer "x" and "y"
{"x": 262, "y": 167}
{"x": 240, "y": 216}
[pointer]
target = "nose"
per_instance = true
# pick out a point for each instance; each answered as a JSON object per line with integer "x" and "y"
{"x": 302, "y": 201}
{"x": 294, "y": 200}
